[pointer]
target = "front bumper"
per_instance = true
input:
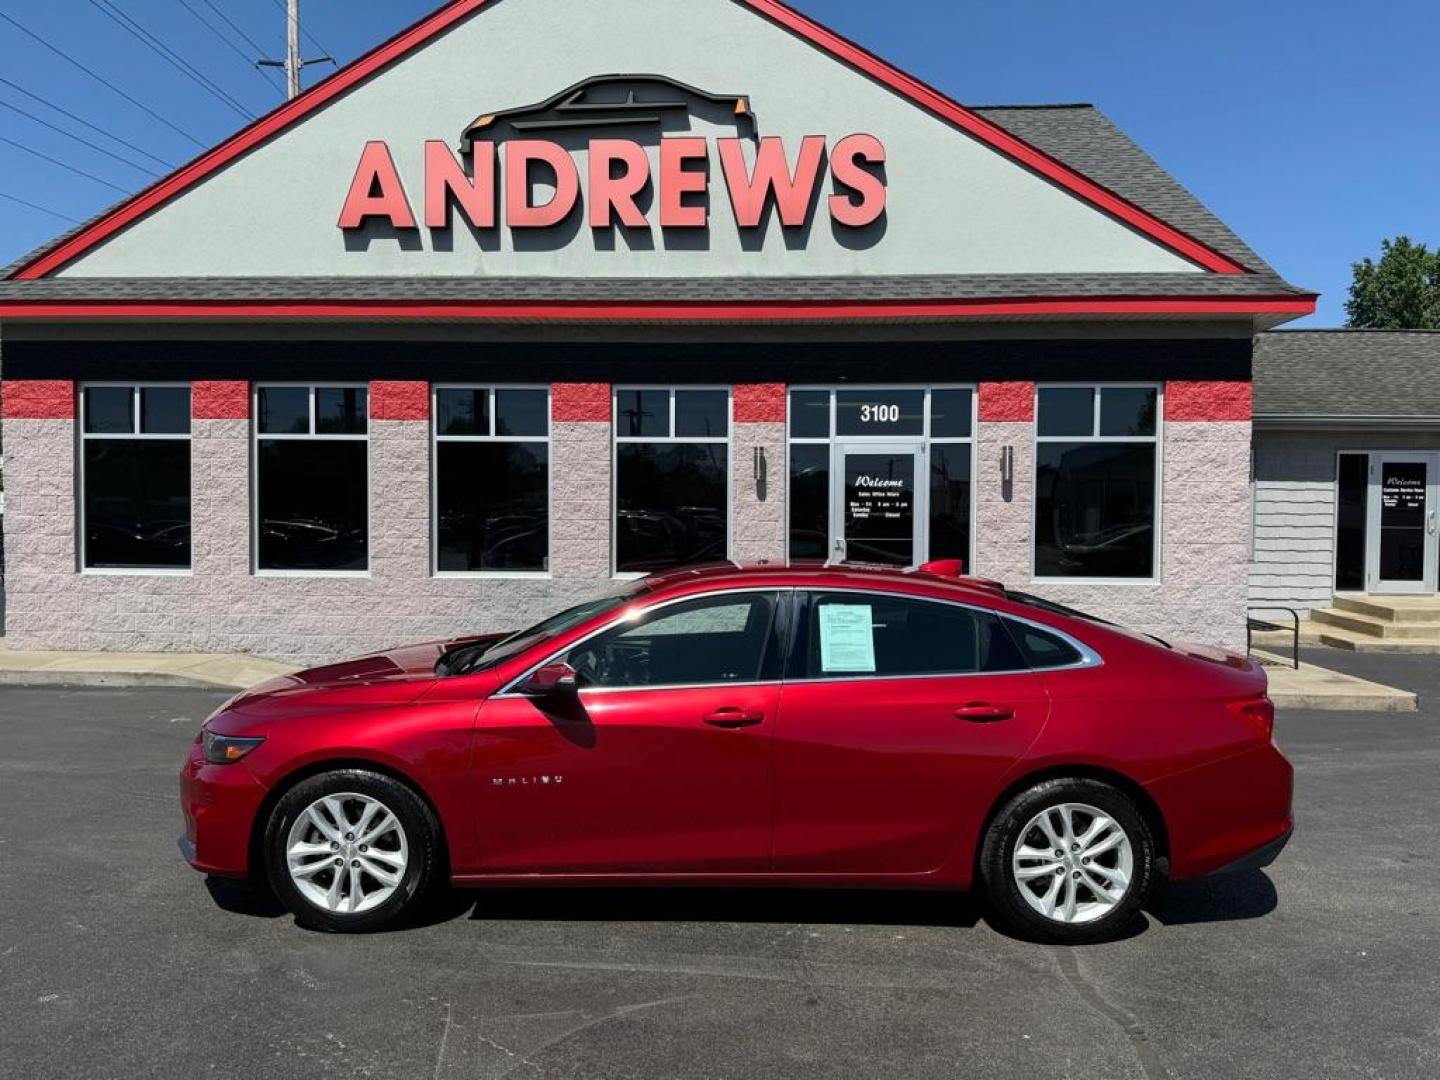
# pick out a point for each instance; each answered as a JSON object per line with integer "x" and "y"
{"x": 219, "y": 804}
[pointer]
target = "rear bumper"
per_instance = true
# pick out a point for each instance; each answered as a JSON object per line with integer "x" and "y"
{"x": 1226, "y": 812}
{"x": 218, "y": 803}
{"x": 1258, "y": 859}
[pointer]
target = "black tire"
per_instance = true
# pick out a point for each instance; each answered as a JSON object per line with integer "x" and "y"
{"x": 422, "y": 838}
{"x": 1006, "y": 831}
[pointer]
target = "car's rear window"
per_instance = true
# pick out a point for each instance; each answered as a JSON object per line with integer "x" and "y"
{"x": 1041, "y": 648}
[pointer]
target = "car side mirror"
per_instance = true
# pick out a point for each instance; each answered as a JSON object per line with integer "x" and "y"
{"x": 551, "y": 680}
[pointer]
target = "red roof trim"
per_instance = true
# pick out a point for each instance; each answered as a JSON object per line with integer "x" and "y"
{"x": 689, "y": 311}
{"x": 439, "y": 21}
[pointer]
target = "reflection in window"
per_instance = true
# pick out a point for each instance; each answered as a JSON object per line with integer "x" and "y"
{"x": 312, "y": 478}
{"x": 1351, "y": 509}
{"x": 492, "y": 479}
{"x": 135, "y": 477}
{"x": 810, "y": 501}
{"x": 1095, "y": 488}
{"x": 671, "y": 478}
{"x": 716, "y": 639}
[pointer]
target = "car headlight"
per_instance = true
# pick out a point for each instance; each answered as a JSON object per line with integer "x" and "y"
{"x": 226, "y": 749}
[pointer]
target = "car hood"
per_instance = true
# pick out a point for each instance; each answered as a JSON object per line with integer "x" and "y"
{"x": 393, "y": 677}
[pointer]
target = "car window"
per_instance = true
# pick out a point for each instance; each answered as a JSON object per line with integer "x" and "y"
{"x": 849, "y": 634}
{"x": 1042, "y": 649}
{"x": 714, "y": 639}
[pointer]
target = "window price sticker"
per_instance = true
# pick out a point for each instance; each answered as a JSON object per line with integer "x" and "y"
{"x": 847, "y": 638}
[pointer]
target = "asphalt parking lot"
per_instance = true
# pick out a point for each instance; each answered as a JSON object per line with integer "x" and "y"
{"x": 117, "y": 961}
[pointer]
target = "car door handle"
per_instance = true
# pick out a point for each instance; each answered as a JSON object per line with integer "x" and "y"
{"x": 982, "y": 712}
{"x": 733, "y": 718}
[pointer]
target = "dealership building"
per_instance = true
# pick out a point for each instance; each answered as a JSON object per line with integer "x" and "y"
{"x": 540, "y": 296}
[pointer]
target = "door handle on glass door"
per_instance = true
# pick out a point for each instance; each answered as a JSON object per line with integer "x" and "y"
{"x": 982, "y": 712}
{"x": 733, "y": 718}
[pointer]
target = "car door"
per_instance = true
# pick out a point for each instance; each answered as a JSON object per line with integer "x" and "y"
{"x": 898, "y": 717}
{"x": 660, "y": 763}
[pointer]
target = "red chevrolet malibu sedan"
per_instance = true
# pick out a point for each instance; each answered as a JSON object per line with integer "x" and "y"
{"x": 779, "y": 725}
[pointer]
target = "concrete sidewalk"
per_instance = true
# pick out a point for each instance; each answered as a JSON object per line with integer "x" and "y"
{"x": 1312, "y": 687}
{"x": 229, "y": 672}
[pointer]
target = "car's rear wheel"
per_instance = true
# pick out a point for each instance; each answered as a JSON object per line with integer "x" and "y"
{"x": 351, "y": 850}
{"x": 1069, "y": 861}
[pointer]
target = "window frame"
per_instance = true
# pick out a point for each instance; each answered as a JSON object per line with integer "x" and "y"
{"x": 616, "y": 439}
{"x": 804, "y": 595}
{"x": 82, "y": 437}
{"x": 924, "y": 440}
{"x": 1157, "y": 440}
{"x": 781, "y": 593}
{"x": 255, "y": 438}
{"x": 548, "y": 439}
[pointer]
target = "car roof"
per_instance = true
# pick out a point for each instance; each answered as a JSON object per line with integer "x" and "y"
{"x": 812, "y": 573}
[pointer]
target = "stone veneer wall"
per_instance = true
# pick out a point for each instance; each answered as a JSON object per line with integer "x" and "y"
{"x": 1200, "y": 590}
{"x": 221, "y": 606}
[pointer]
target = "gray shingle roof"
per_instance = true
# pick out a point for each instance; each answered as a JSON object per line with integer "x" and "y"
{"x": 1350, "y": 374}
{"x": 1078, "y": 135}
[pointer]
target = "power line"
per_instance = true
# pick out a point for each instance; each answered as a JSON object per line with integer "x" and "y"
{"x": 76, "y": 138}
{"x": 63, "y": 165}
{"x": 259, "y": 49}
{"x": 101, "y": 80}
{"x": 269, "y": 77}
{"x": 37, "y": 206}
{"x": 160, "y": 49}
{"x": 86, "y": 123}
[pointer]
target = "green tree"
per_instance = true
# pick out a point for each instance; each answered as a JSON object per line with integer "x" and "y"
{"x": 1400, "y": 292}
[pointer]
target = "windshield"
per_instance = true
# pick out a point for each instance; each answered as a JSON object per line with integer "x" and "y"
{"x": 471, "y": 658}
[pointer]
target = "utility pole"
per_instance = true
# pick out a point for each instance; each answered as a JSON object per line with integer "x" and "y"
{"x": 293, "y": 62}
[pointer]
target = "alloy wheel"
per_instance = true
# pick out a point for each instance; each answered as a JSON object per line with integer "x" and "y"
{"x": 1073, "y": 863}
{"x": 346, "y": 853}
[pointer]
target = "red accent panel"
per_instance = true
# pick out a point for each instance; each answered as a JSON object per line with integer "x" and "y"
{"x": 696, "y": 310}
{"x": 1208, "y": 400}
{"x": 227, "y": 399}
{"x": 37, "y": 399}
{"x": 400, "y": 401}
{"x": 580, "y": 403}
{"x": 1007, "y": 402}
{"x": 759, "y": 403}
{"x": 446, "y": 17}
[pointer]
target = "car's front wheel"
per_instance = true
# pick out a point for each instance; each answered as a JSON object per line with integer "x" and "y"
{"x": 351, "y": 850}
{"x": 1069, "y": 861}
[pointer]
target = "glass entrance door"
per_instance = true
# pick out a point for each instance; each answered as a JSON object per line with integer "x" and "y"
{"x": 1402, "y": 523}
{"x": 878, "y": 503}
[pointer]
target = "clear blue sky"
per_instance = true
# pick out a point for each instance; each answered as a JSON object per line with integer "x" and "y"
{"x": 1311, "y": 126}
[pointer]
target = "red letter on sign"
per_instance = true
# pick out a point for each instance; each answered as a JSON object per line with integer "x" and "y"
{"x": 609, "y": 192}
{"x": 676, "y": 181}
{"x": 748, "y": 194}
{"x": 445, "y": 179}
{"x": 519, "y": 214}
{"x": 376, "y": 191}
{"x": 847, "y": 166}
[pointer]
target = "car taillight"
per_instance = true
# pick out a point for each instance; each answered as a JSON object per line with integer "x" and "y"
{"x": 1257, "y": 713}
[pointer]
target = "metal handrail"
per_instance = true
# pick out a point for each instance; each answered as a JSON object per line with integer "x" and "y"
{"x": 1251, "y": 625}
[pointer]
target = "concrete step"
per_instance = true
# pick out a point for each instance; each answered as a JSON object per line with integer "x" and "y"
{"x": 1278, "y": 639}
{"x": 1375, "y": 627}
{"x": 1338, "y": 638}
{"x": 1397, "y": 609}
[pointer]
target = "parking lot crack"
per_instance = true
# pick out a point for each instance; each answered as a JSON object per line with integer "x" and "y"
{"x": 1151, "y": 1062}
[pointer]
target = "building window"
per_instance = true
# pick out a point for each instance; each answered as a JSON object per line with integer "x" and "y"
{"x": 938, "y": 422}
{"x": 135, "y": 477}
{"x": 1351, "y": 509}
{"x": 312, "y": 478}
{"x": 492, "y": 479}
{"x": 1096, "y": 471}
{"x": 672, "y": 477}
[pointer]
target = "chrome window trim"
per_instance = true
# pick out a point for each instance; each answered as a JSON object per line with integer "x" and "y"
{"x": 508, "y": 691}
{"x": 1089, "y": 658}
